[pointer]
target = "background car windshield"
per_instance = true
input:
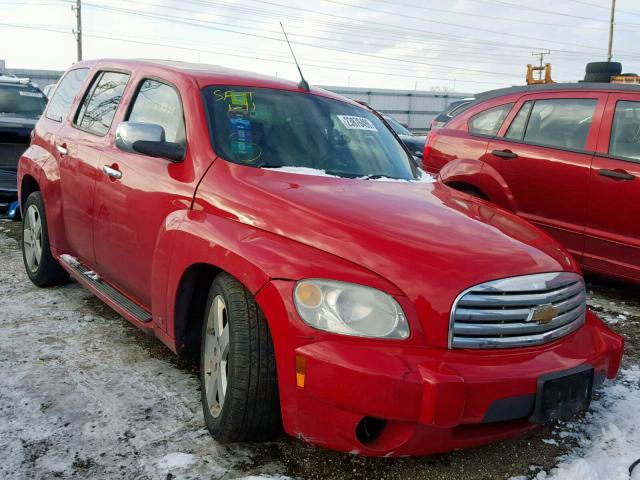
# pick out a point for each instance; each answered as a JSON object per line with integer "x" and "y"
{"x": 397, "y": 126}
{"x": 21, "y": 102}
{"x": 275, "y": 128}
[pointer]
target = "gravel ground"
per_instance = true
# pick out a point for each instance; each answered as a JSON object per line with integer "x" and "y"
{"x": 87, "y": 395}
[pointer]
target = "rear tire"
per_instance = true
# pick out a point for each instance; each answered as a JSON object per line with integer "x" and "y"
{"x": 598, "y": 77}
{"x": 42, "y": 268}
{"x": 238, "y": 381}
{"x": 609, "y": 68}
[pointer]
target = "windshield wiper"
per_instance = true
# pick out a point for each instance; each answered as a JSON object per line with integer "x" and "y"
{"x": 268, "y": 165}
{"x": 381, "y": 175}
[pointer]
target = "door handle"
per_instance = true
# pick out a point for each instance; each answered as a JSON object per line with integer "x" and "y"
{"x": 617, "y": 174}
{"x": 504, "y": 154}
{"x": 112, "y": 172}
{"x": 62, "y": 149}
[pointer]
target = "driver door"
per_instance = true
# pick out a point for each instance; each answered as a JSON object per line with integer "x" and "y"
{"x": 135, "y": 194}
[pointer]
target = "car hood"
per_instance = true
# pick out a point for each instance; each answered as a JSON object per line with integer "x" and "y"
{"x": 427, "y": 239}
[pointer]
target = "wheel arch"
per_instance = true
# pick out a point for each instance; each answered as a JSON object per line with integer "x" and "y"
{"x": 190, "y": 306}
{"x": 481, "y": 177}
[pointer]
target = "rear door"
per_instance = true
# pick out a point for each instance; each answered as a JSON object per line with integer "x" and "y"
{"x": 613, "y": 223}
{"x": 544, "y": 152}
{"x": 78, "y": 146}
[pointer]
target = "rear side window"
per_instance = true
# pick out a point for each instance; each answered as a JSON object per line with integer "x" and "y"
{"x": 518, "y": 125}
{"x": 101, "y": 102}
{"x": 625, "y": 133}
{"x": 561, "y": 123}
{"x": 159, "y": 103}
{"x": 489, "y": 122}
{"x": 66, "y": 91}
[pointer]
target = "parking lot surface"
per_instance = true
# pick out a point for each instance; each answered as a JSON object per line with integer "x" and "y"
{"x": 84, "y": 394}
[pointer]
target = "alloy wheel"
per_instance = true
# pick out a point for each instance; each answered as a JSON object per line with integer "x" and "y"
{"x": 32, "y": 238}
{"x": 216, "y": 355}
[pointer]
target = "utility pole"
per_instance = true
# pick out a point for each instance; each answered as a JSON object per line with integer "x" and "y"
{"x": 541, "y": 55}
{"x": 78, "y": 30}
{"x": 613, "y": 15}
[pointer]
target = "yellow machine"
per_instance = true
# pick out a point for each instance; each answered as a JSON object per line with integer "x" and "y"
{"x": 547, "y": 74}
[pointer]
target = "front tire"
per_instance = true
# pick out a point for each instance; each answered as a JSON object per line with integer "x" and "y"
{"x": 42, "y": 268}
{"x": 238, "y": 382}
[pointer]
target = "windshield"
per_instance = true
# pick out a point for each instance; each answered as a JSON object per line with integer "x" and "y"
{"x": 268, "y": 128}
{"x": 397, "y": 126}
{"x": 21, "y": 101}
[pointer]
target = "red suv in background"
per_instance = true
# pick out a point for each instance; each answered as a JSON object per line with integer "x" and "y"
{"x": 564, "y": 156}
{"x": 286, "y": 238}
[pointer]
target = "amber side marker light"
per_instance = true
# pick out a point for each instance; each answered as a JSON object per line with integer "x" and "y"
{"x": 301, "y": 370}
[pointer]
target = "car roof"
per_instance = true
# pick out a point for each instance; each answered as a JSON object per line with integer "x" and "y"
{"x": 205, "y": 75}
{"x": 549, "y": 87}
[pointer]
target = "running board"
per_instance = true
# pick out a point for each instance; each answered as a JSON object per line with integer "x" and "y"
{"x": 92, "y": 278}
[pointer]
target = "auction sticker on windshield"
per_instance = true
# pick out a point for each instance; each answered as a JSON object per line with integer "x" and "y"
{"x": 357, "y": 123}
{"x": 29, "y": 94}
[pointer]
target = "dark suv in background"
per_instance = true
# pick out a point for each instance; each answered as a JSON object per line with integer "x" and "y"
{"x": 21, "y": 104}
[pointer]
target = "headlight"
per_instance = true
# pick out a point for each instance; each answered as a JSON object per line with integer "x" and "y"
{"x": 349, "y": 309}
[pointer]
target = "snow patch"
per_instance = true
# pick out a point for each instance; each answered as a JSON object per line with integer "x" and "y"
{"x": 423, "y": 178}
{"x": 70, "y": 260}
{"x": 178, "y": 460}
{"x": 92, "y": 275}
{"x": 608, "y": 437}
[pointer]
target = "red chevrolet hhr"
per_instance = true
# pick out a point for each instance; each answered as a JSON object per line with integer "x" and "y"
{"x": 286, "y": 238}
{"x": 564, "y": 156}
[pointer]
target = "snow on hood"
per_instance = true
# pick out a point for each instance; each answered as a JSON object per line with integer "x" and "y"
{"x": 424, "y": 176}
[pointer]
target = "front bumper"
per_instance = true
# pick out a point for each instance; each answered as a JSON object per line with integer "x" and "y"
{"x": 430, "y": 399}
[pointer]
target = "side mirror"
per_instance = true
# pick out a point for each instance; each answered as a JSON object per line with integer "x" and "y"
{"x": 147, "y": 139}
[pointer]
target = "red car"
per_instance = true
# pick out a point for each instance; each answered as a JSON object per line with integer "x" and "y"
{"x": 286, "y": 238}
{"x": 564, "y": 156}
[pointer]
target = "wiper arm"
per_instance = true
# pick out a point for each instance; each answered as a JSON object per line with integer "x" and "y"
{"x": 268, "y": 165}
{"x": 380, "y": 175}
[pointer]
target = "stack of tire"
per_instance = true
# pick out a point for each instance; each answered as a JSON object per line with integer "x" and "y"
{"x": 601, "y": 72}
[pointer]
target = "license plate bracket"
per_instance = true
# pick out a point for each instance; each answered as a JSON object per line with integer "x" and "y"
{"x": 563, "y": 394}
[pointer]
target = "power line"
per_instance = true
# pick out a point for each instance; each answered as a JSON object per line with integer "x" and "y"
{"x": 218, "y": 51}
{"x": 209, "y": 25}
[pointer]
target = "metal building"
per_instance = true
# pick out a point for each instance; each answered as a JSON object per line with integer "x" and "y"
{"x": 41, "y": 77}
{"x": 413, "y": 108}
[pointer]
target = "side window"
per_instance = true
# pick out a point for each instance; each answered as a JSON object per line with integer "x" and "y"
{"x": 159, "y": 103}
{"x": 101, "y": 102}
{"x": 519, "y": 123}
{"x": 489, "y": 121}
{"x": 625, "y": 133}
{"x": 562, "y": 123}
{"x": 66, "y": 91}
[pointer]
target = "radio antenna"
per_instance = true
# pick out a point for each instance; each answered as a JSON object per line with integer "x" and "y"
{"x": 303, "y": 83}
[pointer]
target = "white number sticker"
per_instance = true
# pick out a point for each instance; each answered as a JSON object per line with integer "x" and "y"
{"x": 357, "y": 123}
{"x": 30, "y": 94}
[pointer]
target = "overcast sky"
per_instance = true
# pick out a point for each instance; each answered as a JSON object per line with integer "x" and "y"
{"x": 469, "y": 45}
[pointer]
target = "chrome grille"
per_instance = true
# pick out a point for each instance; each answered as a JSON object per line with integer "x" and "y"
{"x": 518, "y": 311}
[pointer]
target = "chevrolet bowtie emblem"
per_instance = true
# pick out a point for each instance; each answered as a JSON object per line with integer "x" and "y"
{"x": 543, "y": 314}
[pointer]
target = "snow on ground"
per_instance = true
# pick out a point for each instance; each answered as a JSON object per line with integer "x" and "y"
{"x": 80, "y": 396}
{"x": 608, "y": 437}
